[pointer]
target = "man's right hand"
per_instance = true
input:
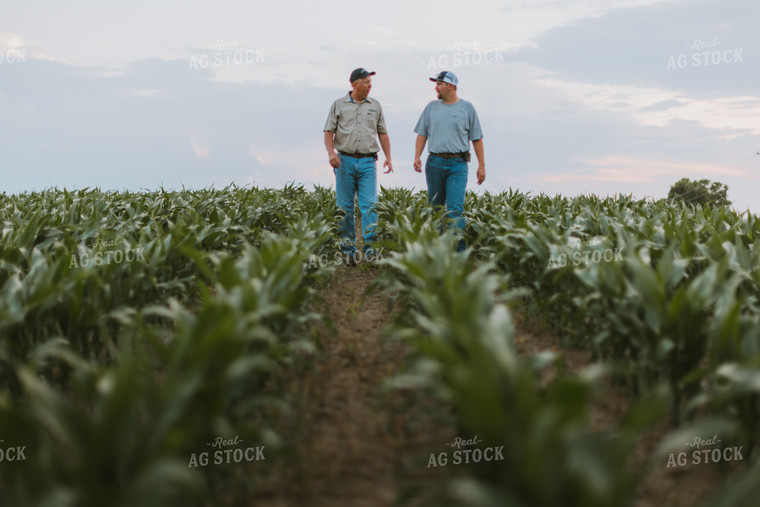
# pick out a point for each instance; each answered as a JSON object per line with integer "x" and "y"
{"x": 418, "y": 165}
{"x": 334, "y": 160}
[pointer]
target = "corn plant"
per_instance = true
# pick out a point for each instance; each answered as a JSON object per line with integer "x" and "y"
{"x": 464, "y": 336}
{"x": 112, "y": 375}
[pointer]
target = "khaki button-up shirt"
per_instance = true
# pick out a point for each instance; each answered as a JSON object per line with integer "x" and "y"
{"x": 356, "y": 125}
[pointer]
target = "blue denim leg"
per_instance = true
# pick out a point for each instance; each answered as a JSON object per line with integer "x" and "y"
{"x": 345, "y": 190}
{"x": 456, "y": 184}
{"x": 447, "y": 182}
{"x": 435, "y": 174}
{"x": 367, "y": 193}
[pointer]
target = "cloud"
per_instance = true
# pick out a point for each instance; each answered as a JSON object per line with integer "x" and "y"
{"x": 659, "y": 106}
{"x": 592, "y": 100}
{"x": 654, "y": 44}
{"x": 663, "y": 105}
{"x": 202, "y": 149}
{"x": 144, "y": 92}
{"x": 11, "y": 42}
{"x": 15, "y": 43}
{"x": 637, "y": 169}
{"x": 537, "y": 17}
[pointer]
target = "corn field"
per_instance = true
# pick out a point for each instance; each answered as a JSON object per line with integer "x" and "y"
{"x": 141, "y": 331}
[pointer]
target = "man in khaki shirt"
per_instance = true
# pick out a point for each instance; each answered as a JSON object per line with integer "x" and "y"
{"x": 354, "y": 126}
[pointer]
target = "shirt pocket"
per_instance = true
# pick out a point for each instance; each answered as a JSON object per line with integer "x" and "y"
{"x": 369, "y": 118}
{"x": 461, "y": 124}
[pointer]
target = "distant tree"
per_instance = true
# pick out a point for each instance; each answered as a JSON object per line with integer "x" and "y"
{"x": 699, "y": 192}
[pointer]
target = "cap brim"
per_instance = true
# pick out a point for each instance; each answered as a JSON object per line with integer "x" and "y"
{"x": 362, "y": 77}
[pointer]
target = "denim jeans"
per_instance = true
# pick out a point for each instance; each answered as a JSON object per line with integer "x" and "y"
{"x": 356, "y": 176}
{"x": 446, "y": 183}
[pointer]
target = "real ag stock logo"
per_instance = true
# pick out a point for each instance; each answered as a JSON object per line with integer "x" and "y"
{"x": 339, "y": 258}
{"x": 584, "y": 253}
{"x": 11, "y": 453}
{"x": 467, "y": 53}
{"x": 226, "y": 53}
{"x": 463, "y": 455}
{"x": 709, "y": 455}
{"x": 704, "y": 54}
{"x": 233, "y": 453}
{"x": 13, "y": 56}
{"x": 99, "y": 257}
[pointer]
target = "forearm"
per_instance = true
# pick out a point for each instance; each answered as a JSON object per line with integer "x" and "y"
{"x": 419, "y": 145}
{"x": 477, "y": 146}
{"x": 385, "y": 144}
{"x": 481, "y": 172}
{"x": 329, "y": 146}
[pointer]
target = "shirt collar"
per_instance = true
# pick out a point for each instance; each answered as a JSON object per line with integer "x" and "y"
{"x": 349, "y": 99}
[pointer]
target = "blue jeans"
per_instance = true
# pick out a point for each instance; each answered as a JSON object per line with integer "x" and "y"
{"x": 446, "y": 183}
{"x": 356, "y": 176}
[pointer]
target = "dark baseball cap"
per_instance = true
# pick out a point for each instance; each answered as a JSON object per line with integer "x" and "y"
{"x": 446, "y": 77}
{"x": 360, "y": 73}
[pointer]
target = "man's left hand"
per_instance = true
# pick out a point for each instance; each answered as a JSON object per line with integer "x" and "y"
{"x": 389, "y": 165}
{"x": 481, "y": 174}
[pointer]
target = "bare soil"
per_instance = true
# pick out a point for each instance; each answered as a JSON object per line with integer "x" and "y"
{"x": 681, "y": 486}
{"x": 358, "y": 444}
{"x": 355, "y": 437}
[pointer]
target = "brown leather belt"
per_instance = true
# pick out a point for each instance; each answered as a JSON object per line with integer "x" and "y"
{"x": 463, "y": 155}
{"x": 359, "y": 155}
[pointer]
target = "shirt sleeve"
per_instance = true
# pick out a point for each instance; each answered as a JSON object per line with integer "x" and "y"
{"x": 423, "y": 123}
{"x": 381, "y": 128}
{"x": 475, "y": 131}
{"x": 332, "y": 118}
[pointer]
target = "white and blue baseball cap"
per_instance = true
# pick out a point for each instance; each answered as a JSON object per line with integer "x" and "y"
{"x": 446, "y": 77}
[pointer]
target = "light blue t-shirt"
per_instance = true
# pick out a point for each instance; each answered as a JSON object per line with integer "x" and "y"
{"x": 449, "y": 128}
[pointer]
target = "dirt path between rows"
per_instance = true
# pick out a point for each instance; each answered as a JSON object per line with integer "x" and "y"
{"x": 359, "y": 445}
{"x": 687, "y": 486}
{"x": 350, "y": 456}
{"x": 355, "y": 438}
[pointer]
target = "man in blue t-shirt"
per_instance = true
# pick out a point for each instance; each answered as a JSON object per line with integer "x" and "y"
{"x": 450, "y": 123}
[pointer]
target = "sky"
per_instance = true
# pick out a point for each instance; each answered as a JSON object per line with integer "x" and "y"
{"x": 574, "y": 96}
